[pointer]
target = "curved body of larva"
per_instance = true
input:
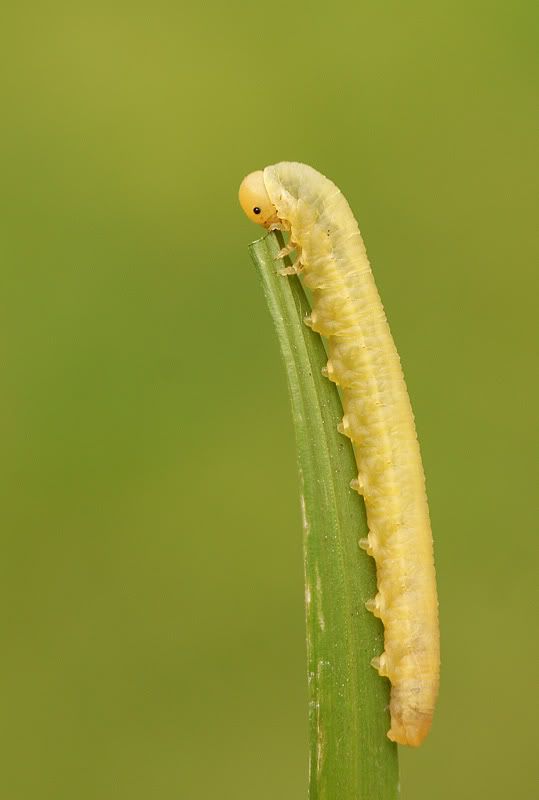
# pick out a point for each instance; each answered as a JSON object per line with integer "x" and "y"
{"x": 378, "y": 418}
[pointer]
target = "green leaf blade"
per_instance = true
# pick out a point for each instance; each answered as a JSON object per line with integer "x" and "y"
{"x": 350, "y": 755}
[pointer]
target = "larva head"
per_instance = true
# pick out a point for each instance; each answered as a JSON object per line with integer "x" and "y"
{"x": 254, "y": 199}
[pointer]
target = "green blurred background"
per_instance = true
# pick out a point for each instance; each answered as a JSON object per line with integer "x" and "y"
{"x": 152, "y": 599}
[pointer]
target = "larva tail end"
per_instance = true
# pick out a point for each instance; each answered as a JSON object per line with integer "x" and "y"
{"x": 411, "y": 732}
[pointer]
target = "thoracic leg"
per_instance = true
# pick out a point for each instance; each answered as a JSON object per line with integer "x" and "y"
{"x": 295, "y": 269}
{"x": 285, "y": 251}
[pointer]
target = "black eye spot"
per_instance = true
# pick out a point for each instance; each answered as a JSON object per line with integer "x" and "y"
{"x": 256, "y": 210}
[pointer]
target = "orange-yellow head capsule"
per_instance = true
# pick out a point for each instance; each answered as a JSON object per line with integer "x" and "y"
{"x": 254, "y": 199}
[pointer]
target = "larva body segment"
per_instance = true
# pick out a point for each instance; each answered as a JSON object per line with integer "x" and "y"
{"x": 378, "y": 419}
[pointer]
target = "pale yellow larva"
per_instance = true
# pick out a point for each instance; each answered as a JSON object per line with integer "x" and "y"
{"x": 378, "y": 418}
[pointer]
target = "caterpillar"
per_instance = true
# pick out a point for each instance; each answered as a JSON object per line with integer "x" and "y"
{"x": 378, "y": 418}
